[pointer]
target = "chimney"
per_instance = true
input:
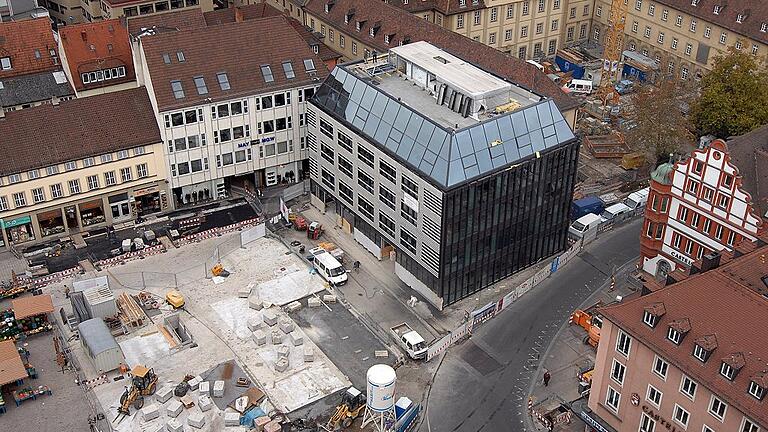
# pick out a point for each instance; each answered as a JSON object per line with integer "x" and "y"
{"x": 710, "y": 261}
{"x": 238, "y": 15}
{"x": 2, "y": 113}
{"x": 55, "y": 101}
{"x": 84, "y": 35}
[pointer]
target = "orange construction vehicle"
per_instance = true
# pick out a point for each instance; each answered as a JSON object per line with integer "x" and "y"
{"x": 589, "y": 320}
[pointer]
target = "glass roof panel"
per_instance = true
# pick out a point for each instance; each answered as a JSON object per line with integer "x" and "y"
{"x": 544, "y": 114}
{"x": 440, "y": 171}
{"x": 548, "y": 130}
{"x": 518, "y": 122}
{"x": 371, "y": 124}
{"x": 391, "y": 111}
{"x": 492, "y": 133}
{"x": 564, "y": 132}
{"x": 414, "y": 124}
{"x": 417, "y": 154}
{"x": 401, "y": 121}
{"x": 532, "y": 119}
{"x": 456, "y": 172}
{"x": 479, "y": 142}
{"x": 537, "y": 139}
{"x": 484, "y": 160}
{"x": 463, "y": 143}
{"x": 405, "y": 147}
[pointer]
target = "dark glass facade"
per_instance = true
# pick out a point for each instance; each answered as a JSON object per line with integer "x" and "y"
{"x": 503, "y": 223}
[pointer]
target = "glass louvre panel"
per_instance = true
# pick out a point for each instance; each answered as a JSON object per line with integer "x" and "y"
{"x": 545, "y": 116}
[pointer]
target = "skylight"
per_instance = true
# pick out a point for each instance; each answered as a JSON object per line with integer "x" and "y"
{"x": 288, "y": 69}
{"x": 223, "y": 80}
{"x": 200, "y": 84}
{"x": 309, "y": 65}
{"x": 180, "y": 56}
{"x": 266, "y": 72}
{"x": 178, "y": 90}
{"x": 166, "y": 58}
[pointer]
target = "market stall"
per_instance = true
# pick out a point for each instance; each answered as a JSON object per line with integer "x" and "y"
{"x": 32, "y": 313}
{"x": 12, "y": 370}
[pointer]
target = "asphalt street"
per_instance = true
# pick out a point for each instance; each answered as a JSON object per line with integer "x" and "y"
{"x": 481, "y": 383}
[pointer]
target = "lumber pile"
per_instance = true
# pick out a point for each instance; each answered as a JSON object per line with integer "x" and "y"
{"x": 130, "y": 312}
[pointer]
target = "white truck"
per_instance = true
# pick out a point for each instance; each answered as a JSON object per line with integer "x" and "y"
{"x": 410, "y": 341}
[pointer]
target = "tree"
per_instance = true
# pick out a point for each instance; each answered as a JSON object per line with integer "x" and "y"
{"x": 660, "y": 127}
{"x": 734, "y": 96}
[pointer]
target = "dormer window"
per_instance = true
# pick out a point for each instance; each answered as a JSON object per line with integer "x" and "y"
{"x": 348, "y": 16}
{"x": 650, "y": 319}
{"x": 716, "y": 10}
{"x": 694, "y": 2}
{"x": 756, "y": 390}
{"x": 731, "y": 366}
{"x": 346, "y": 19}
{"x": 387, "y": 39}
{"x": 678, "y": 329}
{"x": 675, "y": 336}
{"x": 700, "y": 353}
{"x": 327, "y": 8}
{"x": 462, "y": 3}
{"x": 739, "y": 18}
{"x": 764, "y": 27}
{"x": 727, "y": 371}
{"x": 372, "y": 32}
{"x": 704, "y": 346}
{"x": 359, "y": 25}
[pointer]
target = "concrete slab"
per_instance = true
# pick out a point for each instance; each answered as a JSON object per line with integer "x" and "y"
{"x": 272, "y": 426}
{"x": 255, "y": 302}
{"x": 194, "y": 383}
{"x": 296, "y": 338}
{"x": 286, "y": 325}
{"x": 270, "y": 317}
{"x": 145, "y": 349}
{"x": 295, "y": 283}
{"x": 259, "y": 423}
{"x": 281, "y": 365}
{"x": 293, "y": 306}
{"x": 277, "y": 337}
{"x": 231, "y": 419}
{"x": 164, "y": 394}
{"x": 259, "y": 337}
{"x": 218, "y": 389}
{"x": 235, "y": 314}
{"x": 309, "y": 354}
{"x": 255, "y": 324}
{"x": 173, "y": 408}
{"x": 314, "y": 302}
{"x": 244, "y": 292}
{"x": 204, "y": 402}
{"x": 329, "y": 298}
{"x": 283, "y": 351}
{"x": 150, "y": 412}
{"x": 196, "y": 420}
{"x": 204, "y": 388}
{"x": 174, "y": 425}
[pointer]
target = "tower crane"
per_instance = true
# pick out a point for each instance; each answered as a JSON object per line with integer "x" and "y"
{"x": 614, "y": 45}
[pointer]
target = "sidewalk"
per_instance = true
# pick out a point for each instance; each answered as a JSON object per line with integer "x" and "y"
{"x": 567, "y": 355}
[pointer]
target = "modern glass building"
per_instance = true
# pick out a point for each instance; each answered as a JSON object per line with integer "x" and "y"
{"x": 467, "y": 177}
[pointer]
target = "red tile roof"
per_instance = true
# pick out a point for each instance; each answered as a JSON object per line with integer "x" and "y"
{"x": 755, "y": 12}
{"x": 95, "y": 46}
{"x": 403, "y": 26}
{"x": 445, "y": 7}
{"x": 45, "y": 135}
{"x": 240, "y": 13}
{"x": 30, "y": 45}
{"x": 314, "y": 40}
{"x": 11, "y": 367}
{"x": 171, "y": 21}
{"x": 30, "y": 306}
{"x": 721, "y": 305}
{"x": 250, "y": 44}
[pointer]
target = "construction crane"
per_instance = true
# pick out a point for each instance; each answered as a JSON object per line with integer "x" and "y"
{"x": 614, "y": 46}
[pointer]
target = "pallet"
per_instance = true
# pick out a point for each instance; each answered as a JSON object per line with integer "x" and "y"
{"x": 130, "y": 312}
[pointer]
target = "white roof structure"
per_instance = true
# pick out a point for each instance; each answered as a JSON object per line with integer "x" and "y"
{"x": 452, "y": 70}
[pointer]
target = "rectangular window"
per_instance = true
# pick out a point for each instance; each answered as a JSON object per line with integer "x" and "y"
{"x": 688, "y": 387}
{"x": 748, "y": 426}
{"x": 727, "y": 371}
{"x": 387, "y": 197}
{"x": 93, "y": 182}
{"x": 408, "y": 213}
{"x": 266, "y": 73}
{"x": 109, "y": 178}
{"x": 679, "y": 21}
{"x": 387, "y": 171}
{"x": 142, "y": 171}
{"x": 660, "y": 367}
{"x": 681, "y": 415}
{"x": 365, "y": 156}
{"x": 38, "y": 195}
{"x": 3, "y": 203}
{"x": 183, "y": 168}
{"x": 723, "y": 201}
{"x": 178, "y": 90}
{"x": 365, "y": 207}
{"x": 74, "y": 186}
{"x": 345, "y": 166}
{"x": 654, "y": 396}
{"x": 612, "y": 399}
{"x": 409, "y": 186}
{"x": 618, "y": 371}
{"x": 407, "y": 240}
{"x": 20, "y": 200}
{"x": 651, "y": 9}
{"x": 365, "y": 181}
{"x": 328, "y": 179}
{"x": 57, "y": 191}
{"x": 387, "y": 224}
{"x": 693, "y": 26}
{"x": 126, "y": 174}
{"x": 623, "y": 343}
{"x": 647, "y": 424}
{"x": 346, "y": 192}
{"x": 695, "y": 220}
{"x": 51, "y": 170}
{"x": 71, "y": 165}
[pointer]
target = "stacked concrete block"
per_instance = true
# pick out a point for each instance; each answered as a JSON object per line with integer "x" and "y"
{"x": 254, "y": 302}
{"x": 287, "y": 325}
{"x": 173, "y": 409}
{"x": 270, "y": 317}
{"x": 309, "y": 354}
{"x": 150, "y": 412}
{"x": 259, "y": 423}
{"x": 196, "y": 420}
{"x": 194, "y": 383}
{"x": 293, "y": 306}
{"x": 205, "y": 403}
{"x": 164, "y": 394}
{"x": 277, "y": 337}
{"x": 272, "y": 426}
{"x": 231, "y": 419}
{"x": 218, "y": 389}
{"x": 244, "y": 292}
{"x": 281, "y": 365}
{"x": 314, "y": 302}
{"x": 259, "y": 337}
{"x": 204, "y": 388}
{"x": 174, "y": 425}
{"x": 283, "y": 351}
{"x": 255, "y": 324}
{"x": 329, "y": 298}
{"x": 296, "y": 338}
{"x": 266, "y": 304}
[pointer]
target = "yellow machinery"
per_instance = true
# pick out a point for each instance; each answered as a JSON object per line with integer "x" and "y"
{"x": 614, "y": 45}
{"x": 352, "y": 404}
{"x": 144, "y": 383}
{"x": 175, "y": 298}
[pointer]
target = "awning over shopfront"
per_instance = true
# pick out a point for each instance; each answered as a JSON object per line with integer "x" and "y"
{"x": 30, "y": 306}
{"x": 15, "y": 222}
{"x": 11, "y": 367}
{"x": 580, "y": 408}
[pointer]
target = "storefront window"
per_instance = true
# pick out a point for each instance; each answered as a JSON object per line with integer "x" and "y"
{"x": 147, "y": 201}
{"x": 119, "y": 206}
{"x": 19, "y": 230}
{"x": 92, "y": 213}
{"x": 51, "y": 222}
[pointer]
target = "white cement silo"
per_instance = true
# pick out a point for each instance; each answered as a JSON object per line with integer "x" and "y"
{"x": 380, "y": 403}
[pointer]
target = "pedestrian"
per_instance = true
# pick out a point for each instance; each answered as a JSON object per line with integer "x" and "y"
{"x": 547, "y": 376}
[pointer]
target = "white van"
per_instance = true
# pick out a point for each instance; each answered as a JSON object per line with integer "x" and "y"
{"x": 538, "y": 65}
{"x": 637, "y": 199}
{"x": 329, "y": 267}
{"x": 579, "y": 86}
{"x": 614, "y": 211}
{"x": 583, "y": 224}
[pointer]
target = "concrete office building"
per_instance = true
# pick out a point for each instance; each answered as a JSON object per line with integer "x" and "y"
{"x": 230, "y": 123}
{"x": 690, "y": 356}
{"x": 67, "y": 173}
{"x": 467, "y": 177}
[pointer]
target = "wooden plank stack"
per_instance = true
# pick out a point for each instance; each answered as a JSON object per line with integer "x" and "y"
{"x": 130, "y": 312}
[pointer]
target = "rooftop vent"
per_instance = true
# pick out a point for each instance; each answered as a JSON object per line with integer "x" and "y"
{"x": 441, "y": 60}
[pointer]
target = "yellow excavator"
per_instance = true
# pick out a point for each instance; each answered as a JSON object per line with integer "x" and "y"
{"x": 144, "y": 383}
{"x": 352, "y": 404}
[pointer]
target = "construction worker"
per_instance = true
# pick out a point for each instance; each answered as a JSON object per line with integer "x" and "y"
{"x": 66, "y": 291}
{"x": 547, "y": 376}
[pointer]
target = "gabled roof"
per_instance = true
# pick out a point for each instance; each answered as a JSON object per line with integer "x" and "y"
{"x": 754, "y": 13}
{"x": 33, "y": 88}
{"x": 171, "y": 21}
{"x": 11, "y": 367}
{"x": 51, "y": 134}
{"x": 97, "y": 46}
{"x": 446, "y": 156}
{"x": 445, "y": 7}
{"x": 250, "y": 45}
{"x": 749, "y": 153}
{"x": 30, "y": 45}
{"x": 26, "y": 307}
{"x": 724, "y": 312}
{"x": 323, "y": 50}
{"x": 240, "y": 13}
{"x": 408, "y": 27}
